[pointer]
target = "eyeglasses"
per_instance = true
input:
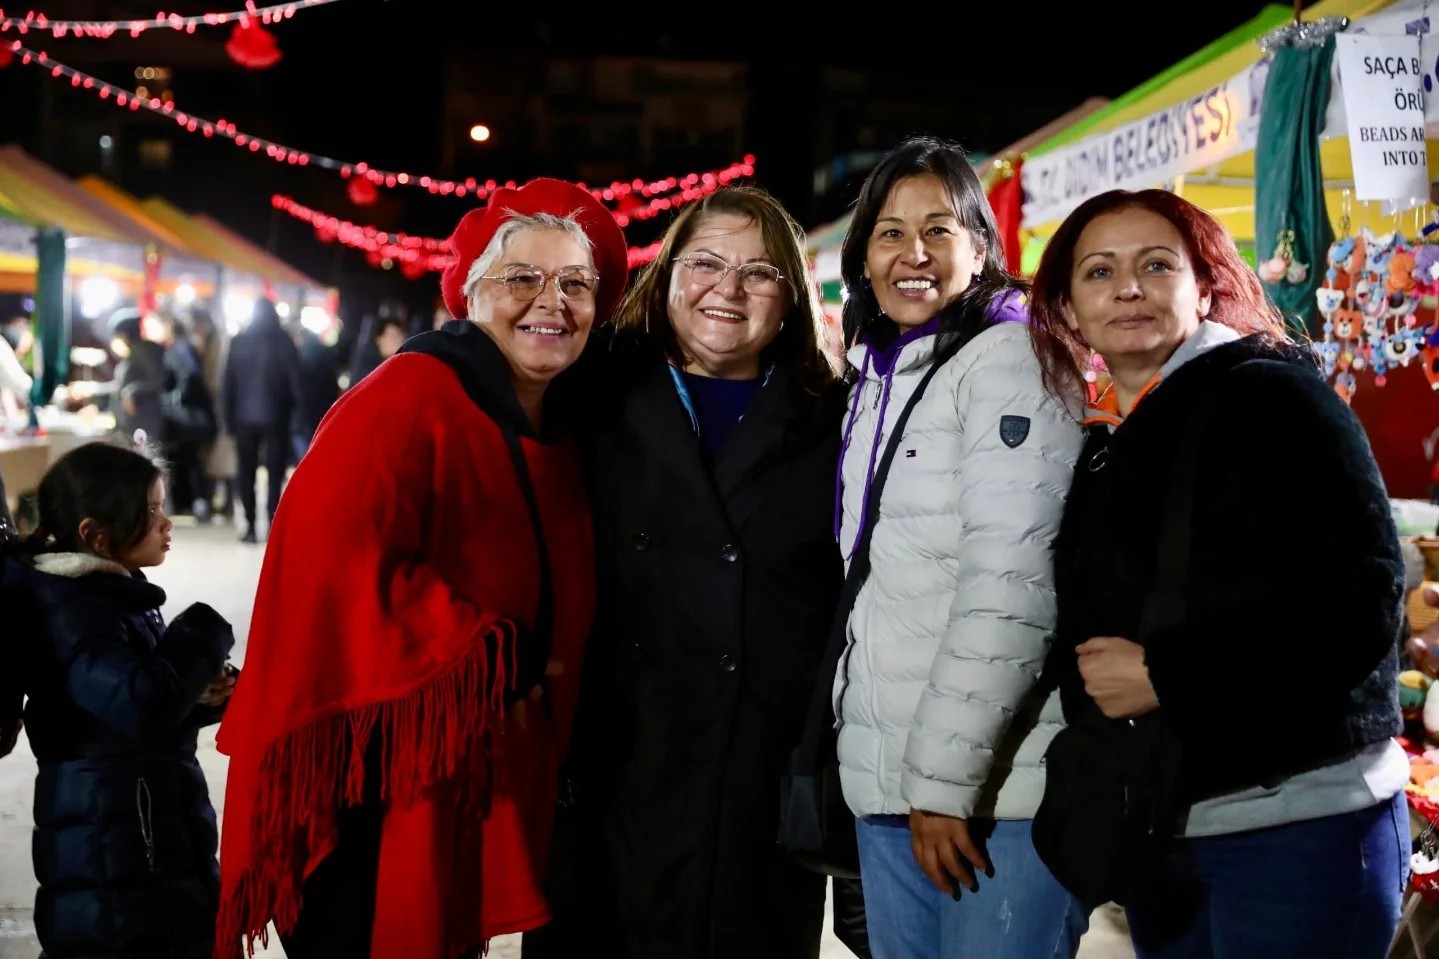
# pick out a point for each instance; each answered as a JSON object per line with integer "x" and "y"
{"x": 575, "y": 283}
{"x": 711, "y": 270}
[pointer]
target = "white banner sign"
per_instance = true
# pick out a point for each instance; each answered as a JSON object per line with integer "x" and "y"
{"x": 1412, "y": 17}
{"x": 1203, "y": 130}
{"x": 1383, "y": 83}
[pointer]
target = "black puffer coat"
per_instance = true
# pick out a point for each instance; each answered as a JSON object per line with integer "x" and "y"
{"x": 125, "y": 838}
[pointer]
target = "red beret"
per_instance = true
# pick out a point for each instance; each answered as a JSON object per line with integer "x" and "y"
{"x": 542, "y": 195}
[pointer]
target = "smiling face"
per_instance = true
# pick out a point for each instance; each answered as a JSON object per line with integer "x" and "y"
{"x": 722, "y": 328}
{"x": 543, "y": 336}
{"x": 919, "y": 258}
{"x": 1133, "y": 295}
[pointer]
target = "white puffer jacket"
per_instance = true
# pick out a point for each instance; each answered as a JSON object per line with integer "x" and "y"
{"x": 936, "y": 694}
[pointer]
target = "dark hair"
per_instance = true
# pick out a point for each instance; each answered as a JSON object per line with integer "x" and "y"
{"x": 125, "y": 323}
{"x": 103, "y": 481}
{"x": 264, "y": 309}
{"x": 1237, "y": 298}
{"x": 644, "y": 308}
{"x": 385, "y": 322}
{"x": 176, "y": 326}
{"x": 918, "y": 156}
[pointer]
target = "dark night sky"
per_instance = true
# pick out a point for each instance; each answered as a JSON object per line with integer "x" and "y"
{"x": 361, "y": 80}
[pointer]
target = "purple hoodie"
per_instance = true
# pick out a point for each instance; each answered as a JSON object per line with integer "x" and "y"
{"x": 1008, "y": 307}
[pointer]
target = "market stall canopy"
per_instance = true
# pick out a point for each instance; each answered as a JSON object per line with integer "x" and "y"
{"x": 33, "y": 196}
{"x": 1227, "y": 190}
{"x": 17, "y": 246}
{"x": 184, "y": 261}
{"x": 116, "y": 198}
{"x": 283, "y": 272}
{"x": 210, "y": 243}
{"x": 1194, "y": 126}
{"x": 54, "y": 201}
{"x": 51, "y": 198}
{"x": 17, "y": 271}
{"x": 12, "y": 211}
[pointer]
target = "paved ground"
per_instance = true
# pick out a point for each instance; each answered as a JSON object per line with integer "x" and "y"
{"x": 207, "y": 564}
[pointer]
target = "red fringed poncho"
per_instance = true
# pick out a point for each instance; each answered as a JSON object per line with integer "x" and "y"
{"x": 402, "y": 545}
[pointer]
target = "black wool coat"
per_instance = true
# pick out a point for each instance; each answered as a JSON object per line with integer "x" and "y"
{"x": 718, "y": 582}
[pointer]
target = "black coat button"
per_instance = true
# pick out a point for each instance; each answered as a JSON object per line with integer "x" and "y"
{"x": 729, "y": 554}
{"x": 727, "y": 663}
{"x": 642, "y": 541}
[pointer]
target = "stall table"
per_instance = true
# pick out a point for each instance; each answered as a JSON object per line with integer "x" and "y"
{"x": 23, "y": 461}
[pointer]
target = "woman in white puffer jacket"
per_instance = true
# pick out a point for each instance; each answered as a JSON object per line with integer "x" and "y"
{"x": 942, "y": 728}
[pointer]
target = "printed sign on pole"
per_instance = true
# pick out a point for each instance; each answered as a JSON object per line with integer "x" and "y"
{"x": 1383, "y": 82}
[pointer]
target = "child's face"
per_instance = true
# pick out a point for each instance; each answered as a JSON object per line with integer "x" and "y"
{"x": 152, "y": 547}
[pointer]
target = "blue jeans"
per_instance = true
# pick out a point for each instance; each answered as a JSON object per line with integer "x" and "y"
{"x": 1021, "y": 913}
{"x": 1326, "y": 888}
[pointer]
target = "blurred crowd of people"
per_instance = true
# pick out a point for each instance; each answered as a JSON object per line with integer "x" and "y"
{"x": 215, "y": 406}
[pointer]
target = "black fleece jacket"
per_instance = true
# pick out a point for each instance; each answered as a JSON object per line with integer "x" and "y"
{"x": 1286, "y": 656}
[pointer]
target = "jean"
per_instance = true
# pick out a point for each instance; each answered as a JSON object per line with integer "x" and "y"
{"x": 1020, "y": 913}
{"x": 1327, "y": 888}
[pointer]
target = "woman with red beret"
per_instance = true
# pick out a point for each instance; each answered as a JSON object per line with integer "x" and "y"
{"x": 414, "y": 651}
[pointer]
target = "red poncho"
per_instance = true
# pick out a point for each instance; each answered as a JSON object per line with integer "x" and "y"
{"x": 402, "y": 545}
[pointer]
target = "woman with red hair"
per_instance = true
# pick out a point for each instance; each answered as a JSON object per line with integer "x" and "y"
{"x": 414, "y": 652}
{"x": 1233, "y": 819}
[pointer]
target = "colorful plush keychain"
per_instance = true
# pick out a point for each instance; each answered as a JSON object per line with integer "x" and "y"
{"x": 1378, "y": 302}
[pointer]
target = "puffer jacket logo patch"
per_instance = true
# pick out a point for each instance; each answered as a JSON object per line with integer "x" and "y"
{"x": 1013, "y": 430}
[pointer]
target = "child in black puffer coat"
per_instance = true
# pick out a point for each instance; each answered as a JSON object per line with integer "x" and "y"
{"x": 125, "y": 837}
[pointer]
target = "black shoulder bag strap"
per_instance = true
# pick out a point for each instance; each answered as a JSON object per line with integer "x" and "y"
{"x": 820, "y": 719}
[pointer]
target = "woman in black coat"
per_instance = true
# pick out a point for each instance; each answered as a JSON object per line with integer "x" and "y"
{"x": 1230, "y": 819}
{"x": 125, "y": 838}
{"x": 712, "y": 455}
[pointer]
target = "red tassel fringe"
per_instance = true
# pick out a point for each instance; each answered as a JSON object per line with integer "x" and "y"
{"x": 427, "y": 737}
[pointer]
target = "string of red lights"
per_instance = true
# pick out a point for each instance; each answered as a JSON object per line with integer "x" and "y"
{"x": 421, "y": 252}
{"x": 104, "y": 29}
{"x": 691, "y": 186}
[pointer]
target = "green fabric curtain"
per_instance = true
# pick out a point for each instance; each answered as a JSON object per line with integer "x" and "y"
{"x": 52, "y": 317}
{"x": 1288, "y": 182}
